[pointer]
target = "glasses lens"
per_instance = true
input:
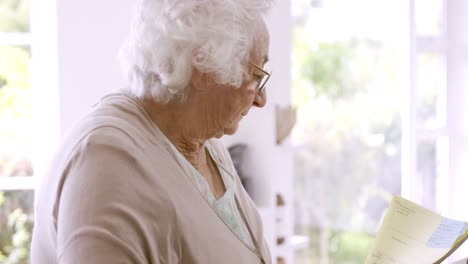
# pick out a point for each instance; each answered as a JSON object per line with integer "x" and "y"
{"x": 263, "y": 83}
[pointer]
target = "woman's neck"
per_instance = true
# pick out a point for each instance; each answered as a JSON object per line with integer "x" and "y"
{"x": 180, "y": 125}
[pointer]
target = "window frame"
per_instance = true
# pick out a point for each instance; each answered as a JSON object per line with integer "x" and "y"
{"x": 412, "y": 134}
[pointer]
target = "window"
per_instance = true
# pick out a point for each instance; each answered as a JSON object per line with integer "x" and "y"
{"x": 16, "y": 132}
{"x": 429, "y": 105}
{"x": 369, "y": 84}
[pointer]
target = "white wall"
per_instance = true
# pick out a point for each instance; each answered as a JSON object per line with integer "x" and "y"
{"x": 89, "y": 36}
{"x": 457, "y": 103}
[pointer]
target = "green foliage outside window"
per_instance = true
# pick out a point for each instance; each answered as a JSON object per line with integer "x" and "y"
{"x": 14, "y": 16}
{"x": 16, "y": 207}
{"x": 15, "y": 137}
{"x": 16, "y": 216}
{"x": 16, "y": 221}
{"x": 347, "y": 165}
{"x": 15, "y": 112}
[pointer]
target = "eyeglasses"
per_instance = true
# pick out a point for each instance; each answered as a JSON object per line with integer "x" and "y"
{"x": 263, "y": 77}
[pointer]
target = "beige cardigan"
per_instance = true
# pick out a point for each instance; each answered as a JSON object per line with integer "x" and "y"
{"x": 116, "y": 194}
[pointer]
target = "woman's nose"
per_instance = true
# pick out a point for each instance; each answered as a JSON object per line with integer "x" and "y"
{"x": 260, "y": 99}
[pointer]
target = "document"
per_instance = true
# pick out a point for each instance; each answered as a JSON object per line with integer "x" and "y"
{"x": 412, "y": 234}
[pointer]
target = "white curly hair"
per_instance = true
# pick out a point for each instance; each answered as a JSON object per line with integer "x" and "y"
{"x": 169, "y": 37}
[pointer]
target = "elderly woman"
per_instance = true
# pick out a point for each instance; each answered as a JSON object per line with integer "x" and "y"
{"x": 142, "y": 178}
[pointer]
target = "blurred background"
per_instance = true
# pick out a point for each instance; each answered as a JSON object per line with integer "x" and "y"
{"x": 379, "y": 87}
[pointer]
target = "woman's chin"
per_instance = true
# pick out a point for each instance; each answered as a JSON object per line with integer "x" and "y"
{"x": 231, "y": 129}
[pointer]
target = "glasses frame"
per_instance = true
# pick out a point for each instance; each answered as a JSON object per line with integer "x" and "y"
{"x": 263, "y": 83}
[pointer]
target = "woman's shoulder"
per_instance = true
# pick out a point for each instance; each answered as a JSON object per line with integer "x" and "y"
{"x": 116, "y": 120}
